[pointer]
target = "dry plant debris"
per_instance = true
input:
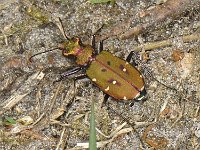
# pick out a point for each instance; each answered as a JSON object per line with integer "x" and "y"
{"x": 56, "y": 115}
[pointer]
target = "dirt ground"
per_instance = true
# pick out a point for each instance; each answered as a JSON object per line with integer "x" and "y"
{"x": 38, "y": 113}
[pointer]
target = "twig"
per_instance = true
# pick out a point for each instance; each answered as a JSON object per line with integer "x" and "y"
{"x": 61, "y": 139}
{"x": 169, "y": 10}
{"x": 54, "y": 97}
{"x": 169, "y": 42}
{"x": 151, "y": 19}
{"x": 24, "y": 90}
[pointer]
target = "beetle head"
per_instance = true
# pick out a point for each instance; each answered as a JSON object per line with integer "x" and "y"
{"x": 71, "y": 47}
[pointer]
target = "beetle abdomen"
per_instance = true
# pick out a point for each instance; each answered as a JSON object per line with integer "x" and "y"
{"x": 115, "y": 76}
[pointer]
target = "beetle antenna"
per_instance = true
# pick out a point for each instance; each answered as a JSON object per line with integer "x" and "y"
{"x": 30, "y": 59}
{"x": 62, "y": 30}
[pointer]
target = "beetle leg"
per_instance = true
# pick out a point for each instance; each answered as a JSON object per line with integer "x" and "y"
{"x": 132, "y": 124}
{"x": 147, "y": 71}
{"x": 93, "y": 42}
{"x": 106, "y": 96}
{"x": 142, "y": 98}
{"x": 94, "y": 45}
{"x": 79, "y": 77}
{"x": 132, "y": 103}
{"x": 69, "y": 72}
{"x": 130, "y": 56}
{"x": 100, "y": 46}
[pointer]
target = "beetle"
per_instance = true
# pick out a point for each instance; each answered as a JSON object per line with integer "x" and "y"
{"x": 116, "y": 77}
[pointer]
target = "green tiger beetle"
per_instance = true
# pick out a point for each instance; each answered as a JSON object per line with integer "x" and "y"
{"x": 116, "y": 77}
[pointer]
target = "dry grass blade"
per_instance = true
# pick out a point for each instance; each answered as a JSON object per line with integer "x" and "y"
{"x": 24, "y": 90}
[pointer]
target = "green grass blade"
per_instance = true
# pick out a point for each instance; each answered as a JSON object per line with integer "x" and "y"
{"x": 92, "y": 139}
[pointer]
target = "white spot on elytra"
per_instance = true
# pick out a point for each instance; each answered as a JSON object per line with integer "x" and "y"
{"x": 140, "y": 76}
{"x": 107, "y": 89}
{"x": 124, "y": 69}
{"x": 124, "y": 98}
{"x": 94, "y": 79}
{"x": 126, "y": 63}
{"x": 138, "y": 94}
{"x": 114, "y": 82}
{"x": 142, "y": 88}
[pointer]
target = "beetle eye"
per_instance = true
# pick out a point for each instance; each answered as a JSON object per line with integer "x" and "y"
{"x": 79, "y": 41}
{"x": 74, "y": 39}
{"x": 64, "y": 51}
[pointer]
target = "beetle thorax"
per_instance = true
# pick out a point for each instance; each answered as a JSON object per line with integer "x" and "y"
{"x": 84, "y": 55}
